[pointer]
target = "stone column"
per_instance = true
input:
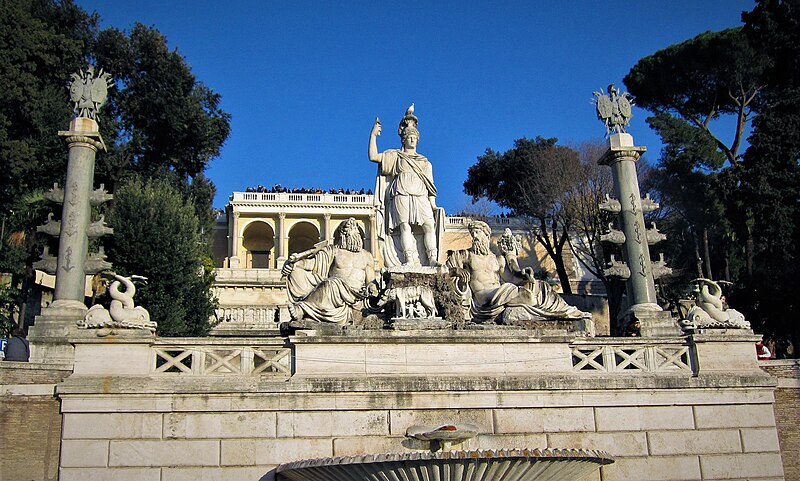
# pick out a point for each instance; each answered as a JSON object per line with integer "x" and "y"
{"x": 84, "y": 141}
{"x": 326, "y": 227}
{"x": 57, "y": 323}
{"x": 234, "y": 261}
{"x": 373, "y": 235}
{"x": 640, "y": 286}
{"x": 229, "y": 254}
{"x": 621, "y": 157}
{"x": 282, "y": 244}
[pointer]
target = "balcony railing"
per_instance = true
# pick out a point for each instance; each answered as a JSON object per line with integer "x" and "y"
{"x": 294, "y": 198}
{"x": 493, "y": 221}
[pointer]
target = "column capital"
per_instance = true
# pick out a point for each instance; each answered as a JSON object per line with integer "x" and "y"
{"x": 617, "y": 154}
{"x": 75, "y": 139}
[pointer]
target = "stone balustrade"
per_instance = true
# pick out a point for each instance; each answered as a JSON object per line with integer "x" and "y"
{"x": 267, "y": 198}
{"x": 455, "y": 222}
{"x": 249, "y": 277}
{"x": 236, "y": 359}
{"x": 398, "y": 353}
{"x": 138, "y": 407}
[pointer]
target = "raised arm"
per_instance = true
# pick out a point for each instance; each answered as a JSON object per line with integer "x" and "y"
{"x": 373, "y": 141}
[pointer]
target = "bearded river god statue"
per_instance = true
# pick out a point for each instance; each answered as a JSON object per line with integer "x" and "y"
{"x": 326, "y": 283}
{"x": 410, "y": 226}
{"x": 498, "y": 290}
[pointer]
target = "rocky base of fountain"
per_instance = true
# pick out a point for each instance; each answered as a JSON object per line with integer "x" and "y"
{"x": 489, "y": 465}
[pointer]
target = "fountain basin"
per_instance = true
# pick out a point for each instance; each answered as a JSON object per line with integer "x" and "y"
{"x": 489, "y": 465}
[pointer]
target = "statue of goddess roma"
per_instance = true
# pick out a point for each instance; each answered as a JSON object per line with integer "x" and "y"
{"x": 405, "y": 197}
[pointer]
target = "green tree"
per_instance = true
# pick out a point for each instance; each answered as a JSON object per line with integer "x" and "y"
{"x": 713, "y": 74}
{"x": 688, "y": 86}
{"x": 160, "y": 122}
{"x": 41, "y": 43}
{"x": 160, "y": 118}
{"x": 156, "y": 235}
{"x": 533, "y": 180}
{"x": 746, "y": 72}
{"x": 690, "y": 179}
{"x": 771, "y": 178}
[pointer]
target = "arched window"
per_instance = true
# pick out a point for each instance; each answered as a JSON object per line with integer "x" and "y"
{"x": 258, "y": 240}
{"x": 302, "y": 237}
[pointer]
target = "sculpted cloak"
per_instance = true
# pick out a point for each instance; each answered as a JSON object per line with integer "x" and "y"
{"x": 322, "y": 298}
{"x": 402, "y": 190}
{"x": 534, "y": 300}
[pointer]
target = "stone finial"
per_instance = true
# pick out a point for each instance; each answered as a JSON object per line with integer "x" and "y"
{"x": 614, "y": 109}
{"x": 88, "y": 91}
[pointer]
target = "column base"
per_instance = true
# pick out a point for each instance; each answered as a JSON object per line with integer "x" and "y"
{"x": 653, "y": 321}
{"x": 49, "y": 336}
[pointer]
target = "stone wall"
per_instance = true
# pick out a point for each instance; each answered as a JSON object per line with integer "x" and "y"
{"x": 653, "y": 434}
{"x": 787, "y": 411}
{"x": 30, "y": 421}
{"x": 220, "y": 416}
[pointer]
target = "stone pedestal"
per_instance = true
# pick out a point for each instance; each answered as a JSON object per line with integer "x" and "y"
{"x": 726, "y": 350}
{"x": 654, "y": 322}
{"x": 53, "y": 327}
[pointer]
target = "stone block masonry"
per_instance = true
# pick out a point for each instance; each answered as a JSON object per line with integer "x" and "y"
{"x": 665, "y": 432}
{"x": 30, "y": 421}
{"x": 664, "y": 419}
{"x": 787, "y": 413}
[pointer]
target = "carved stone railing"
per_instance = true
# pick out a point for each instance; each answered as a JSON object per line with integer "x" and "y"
{"x": 632, "y": 357}
{"x": 454, "y": 222}
{"x": 246, "y": 315}
{"x": 267, "y": 198}
{"x": 221, "y": 359}
{"x": 237, "y": 276}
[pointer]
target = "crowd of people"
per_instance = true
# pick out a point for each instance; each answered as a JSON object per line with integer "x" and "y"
{"x": 473, "y": 215}
{"x": 278, "y": 189}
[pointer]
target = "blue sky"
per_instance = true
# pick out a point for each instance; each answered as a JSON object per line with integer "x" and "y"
{"x": 304, "y": 80}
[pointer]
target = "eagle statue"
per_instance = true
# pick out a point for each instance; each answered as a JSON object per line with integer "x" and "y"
{"x": 88, "y": 91}
{"x": 614, "y": 109}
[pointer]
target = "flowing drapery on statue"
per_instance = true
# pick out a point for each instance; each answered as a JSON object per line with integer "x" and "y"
{"x": 327, "y": 282}
{"x": 498, "y": 290}
{"x": 405, "y": 196}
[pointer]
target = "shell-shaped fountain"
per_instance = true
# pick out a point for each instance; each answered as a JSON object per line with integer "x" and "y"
{"x": 488, "y": 465}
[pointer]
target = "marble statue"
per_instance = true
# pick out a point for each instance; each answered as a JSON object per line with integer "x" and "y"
{"x": 122, "y": 312}
{"x": 710, "y": 311}
{"x": 405, "y": 197}
{"x": 88, "y": 91}
{"x": 411, "y": 302}
{"x": 501, "y": 291}
{"x": 326, "y": 282}
{"x": 614, "y": 109}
